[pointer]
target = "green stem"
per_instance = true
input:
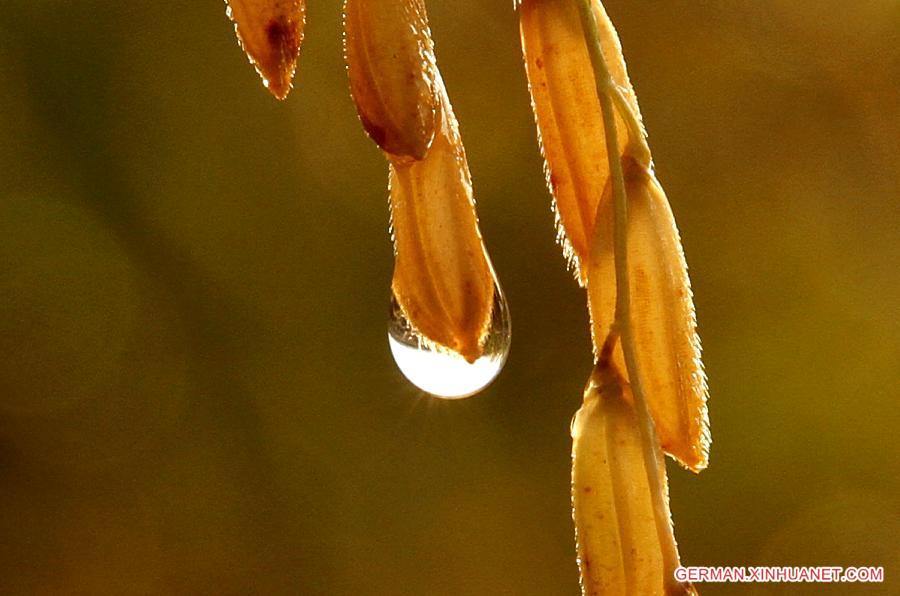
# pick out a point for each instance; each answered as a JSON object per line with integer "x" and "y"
{"x": 637, "y": 141}
{"x": 606, "y": 93}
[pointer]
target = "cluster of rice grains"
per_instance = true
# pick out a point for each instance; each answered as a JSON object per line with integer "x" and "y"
{"x": 450, "y": 330}
{"x": 648, "y": 392}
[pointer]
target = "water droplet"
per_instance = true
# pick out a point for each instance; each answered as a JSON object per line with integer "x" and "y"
{"x": 441, "y": 372}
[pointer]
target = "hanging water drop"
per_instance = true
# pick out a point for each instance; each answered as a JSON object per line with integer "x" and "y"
{"x": 442, "y": 372}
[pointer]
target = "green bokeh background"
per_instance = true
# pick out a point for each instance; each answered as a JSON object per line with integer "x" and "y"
{"x": 196, "y": 393}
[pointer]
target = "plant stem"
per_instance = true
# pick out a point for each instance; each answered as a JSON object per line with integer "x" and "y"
{"x": 606, "y": 92}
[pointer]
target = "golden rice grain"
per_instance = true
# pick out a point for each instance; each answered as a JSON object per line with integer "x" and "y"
{"x": 618, "y": 542}
{"x": 390, "y": 62}
{"x": 568, "y": 116}
{"x": 442, "y": 277}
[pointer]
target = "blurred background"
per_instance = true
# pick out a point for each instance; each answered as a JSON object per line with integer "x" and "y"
{"x": 196, "y": 392}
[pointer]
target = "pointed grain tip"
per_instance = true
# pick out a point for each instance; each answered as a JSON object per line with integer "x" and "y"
{"x": 283, "y": 35}
{"x": 470, "y": 350}
{"x": 271, "y": 33}
{"x": 279, "y": 88}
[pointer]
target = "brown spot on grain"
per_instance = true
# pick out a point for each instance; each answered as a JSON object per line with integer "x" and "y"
{"x": 283, "y": 36}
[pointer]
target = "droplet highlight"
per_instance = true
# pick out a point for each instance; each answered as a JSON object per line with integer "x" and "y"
{"x": 442, "y": 372}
